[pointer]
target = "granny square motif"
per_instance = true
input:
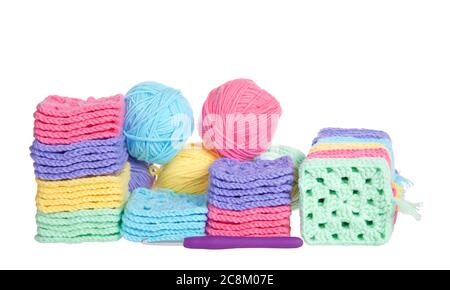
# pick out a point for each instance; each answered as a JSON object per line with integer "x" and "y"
{"x": 346, "y": 201}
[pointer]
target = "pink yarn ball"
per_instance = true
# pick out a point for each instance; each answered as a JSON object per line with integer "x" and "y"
{"x": 239, "y": 119}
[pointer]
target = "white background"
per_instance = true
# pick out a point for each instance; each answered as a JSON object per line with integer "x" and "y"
{"x": 374, "y": 64}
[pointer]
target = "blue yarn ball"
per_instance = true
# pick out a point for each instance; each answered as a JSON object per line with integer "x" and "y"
{"x": 158, "y": 122}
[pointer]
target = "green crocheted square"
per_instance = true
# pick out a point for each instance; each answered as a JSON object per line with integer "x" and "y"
{"x": 97, "y": 225}
{"x": 346, "y": 201}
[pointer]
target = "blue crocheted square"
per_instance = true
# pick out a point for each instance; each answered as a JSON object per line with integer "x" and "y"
{"x": 164, "y": 203}
{"x": 162, "y": 215}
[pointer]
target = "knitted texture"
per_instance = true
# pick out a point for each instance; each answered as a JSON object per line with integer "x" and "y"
{"x": 83, "y": 193}
{"x": 63, "y": 120}
{"x": 250, "y": 198}
{"x": 80, "y": 226}
{"x": 348, "y": 188}
{"x": 297, "y": 158}
{"x": 163, "y": 215}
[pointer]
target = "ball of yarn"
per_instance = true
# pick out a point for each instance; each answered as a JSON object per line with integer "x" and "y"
{"x": 239, "y": 119}
{"x": 188, "y": 171}
{"x": 277, "y": 151}
{"x": 140, "y": 175}
{"x": 158, "y": 122}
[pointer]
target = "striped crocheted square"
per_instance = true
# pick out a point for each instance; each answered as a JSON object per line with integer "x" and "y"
{"x": 256, "y": 222}
{"x": 350, "y": 188}
{"x": 250, "y": 198}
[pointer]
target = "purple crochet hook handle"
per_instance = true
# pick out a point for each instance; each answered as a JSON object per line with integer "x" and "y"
{"x": 219, "y": 242}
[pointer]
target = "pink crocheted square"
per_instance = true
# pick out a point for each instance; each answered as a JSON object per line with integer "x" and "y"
{"x": 63, "y": 120}
{"x": 352, "y": 153}
{"x": 255, "y": 222}
{"x": 63, "y": 107}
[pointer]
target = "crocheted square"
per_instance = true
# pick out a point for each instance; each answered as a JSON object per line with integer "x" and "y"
{"x": 354, "y": 153}
{"x": 62, "y": 120}
{"x": 86, "y": 158}
{"x": 242, "y": 185}
{"x": 80, "y": 226}
{"x": 357, "y": 143}
{"x": 357, "y": 133}
{"x": 167, "y": 235}
{"x": 280, "y": 181}
{"x": 249, "y": 193}
{"x": 255, "y": 222}
{"x": 346, "y": 201}
{"x": 146, "y": 226}
{"x": 163, "y": 215}
{"x": 250, "y": 198}
{"x": 164, "y": 203}
{"x": 251, "y": 215}
{"x": 297, "y": 157}
{"x": 90, "y": 117}
{"x": 249, "y": 202}
{"x": 165, "y": 220}
{"x": 242, "y": 226}
{"x": 235, "y": 171}
{"x": 65, "y": 107}
{"x": 83, "y": 193}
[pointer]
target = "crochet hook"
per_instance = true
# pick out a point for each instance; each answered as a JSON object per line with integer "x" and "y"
{"x": 221, "y": 242}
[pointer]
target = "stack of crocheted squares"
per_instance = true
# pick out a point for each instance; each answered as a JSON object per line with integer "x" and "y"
{"x": 163, "y": 215}
{"x": 97, "y": 225}
{"x": 63, "y": 120}
{"x": 250, "y": 198}
{"x": 349, "y": 188}
{"x": 80, "y": 162}
{"x": 297, "y": 158}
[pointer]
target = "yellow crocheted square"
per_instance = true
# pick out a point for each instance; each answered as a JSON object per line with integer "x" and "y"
{"x": 345, "y": 146}
{"x": 83, "y": 193}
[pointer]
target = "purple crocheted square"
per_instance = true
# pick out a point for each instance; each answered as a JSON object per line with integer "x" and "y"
{"x": 230, "y": 170}
{"x": 86, "y": 158}
{"x": 280, "y": 181}
{"x": 356, "y": 133}
{"x": 250, "y": 204}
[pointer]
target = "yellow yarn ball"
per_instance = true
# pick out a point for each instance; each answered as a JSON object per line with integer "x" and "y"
{"x": 188, "y": 171}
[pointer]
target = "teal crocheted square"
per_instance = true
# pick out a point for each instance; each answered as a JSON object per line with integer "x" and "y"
{"x": 346, "y": 201}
